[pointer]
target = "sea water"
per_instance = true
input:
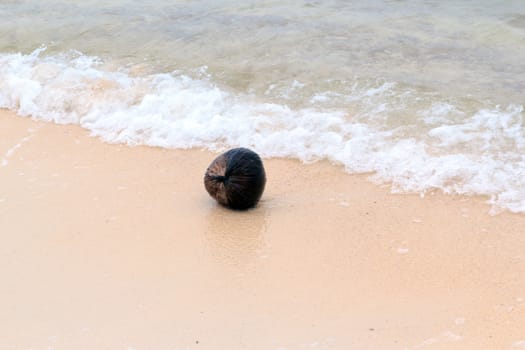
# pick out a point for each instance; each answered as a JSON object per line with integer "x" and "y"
{"x": 425, "y": 95}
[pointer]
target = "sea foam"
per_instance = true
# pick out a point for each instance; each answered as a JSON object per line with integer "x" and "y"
{"x": 479, "y": 152}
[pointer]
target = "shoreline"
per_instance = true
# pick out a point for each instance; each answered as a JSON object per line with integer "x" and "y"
{"x": 110, "y": 246}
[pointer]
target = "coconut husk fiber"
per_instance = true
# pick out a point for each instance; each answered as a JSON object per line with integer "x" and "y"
{"x": 236, "y": 179}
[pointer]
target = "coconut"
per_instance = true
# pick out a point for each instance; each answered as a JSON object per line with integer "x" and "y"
{"x": 236, "y": 178}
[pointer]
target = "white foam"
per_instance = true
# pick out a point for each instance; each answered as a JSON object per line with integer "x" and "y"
{"x": 483, "y": 153}
{"x": 439, "y": 113}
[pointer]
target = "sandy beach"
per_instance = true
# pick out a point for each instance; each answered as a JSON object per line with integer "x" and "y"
{"x": 115, "y": 247}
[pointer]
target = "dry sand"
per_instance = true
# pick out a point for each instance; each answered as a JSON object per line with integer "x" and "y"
{"x": 115, "y": 247}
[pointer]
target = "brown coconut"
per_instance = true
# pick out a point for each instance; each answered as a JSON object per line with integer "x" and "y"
{"x": 236, "y": 178}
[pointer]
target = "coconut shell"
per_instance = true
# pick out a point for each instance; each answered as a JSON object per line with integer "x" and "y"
{"x": 236, "y": 178}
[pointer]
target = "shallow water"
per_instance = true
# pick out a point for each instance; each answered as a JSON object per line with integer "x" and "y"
{"x": 425, "y": 94}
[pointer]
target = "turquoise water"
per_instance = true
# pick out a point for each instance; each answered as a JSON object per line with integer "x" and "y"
{"x": 424, "y": 94}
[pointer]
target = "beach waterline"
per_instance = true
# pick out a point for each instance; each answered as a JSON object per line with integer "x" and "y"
{"x": 425, "y": 95}
{"x": 465, "y": 147}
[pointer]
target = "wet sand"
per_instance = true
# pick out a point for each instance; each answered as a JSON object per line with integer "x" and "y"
{"x": 115, "y": 247}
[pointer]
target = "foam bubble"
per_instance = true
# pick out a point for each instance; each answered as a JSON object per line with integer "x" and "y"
{"x": 445, "y": 146}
